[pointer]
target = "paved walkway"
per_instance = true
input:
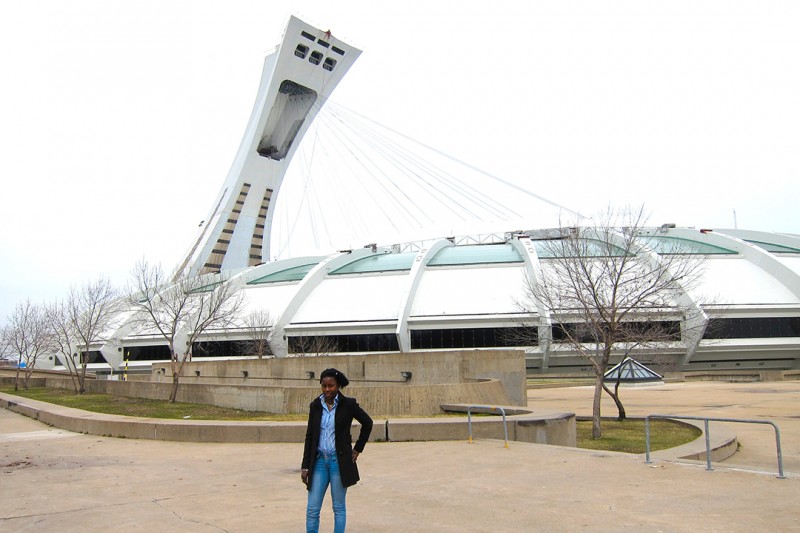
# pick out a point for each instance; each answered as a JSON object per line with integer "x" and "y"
{"x": 778, "y": 401}
{"x": 53, "y": 480}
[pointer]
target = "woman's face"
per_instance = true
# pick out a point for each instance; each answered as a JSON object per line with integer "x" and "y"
{"x": 329, "y": 388}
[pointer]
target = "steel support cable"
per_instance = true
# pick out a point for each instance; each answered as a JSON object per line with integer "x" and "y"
{"x": 359, "y": 223}
{"x": 421, "y": 179}
{"x": 307, "y": 180}
{"x": 379, "y": 170}
{"x": 439, "y": 173}
{"x": 461, "y": 187}
{"x": 310, "y": 164}
{"x": 383, "y": 146}
{"x": 385, "y": 151}
{"x": 400, "y": 160}
{"x": 352, "y": 217}
{"x": 367, "y": 163}
{"x": 492, "y": 176}
{"x": 364, "y": 164}
{"x": 400, "y": 198}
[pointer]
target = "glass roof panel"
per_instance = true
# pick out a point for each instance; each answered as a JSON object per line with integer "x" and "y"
{"x": 661, "y": 244}
{"x": 205, "y": 288}
{"x": 476, "y": 254}
{"x": 589, "y": 247}
{"x": 772, "y": 247}
{"x": 290, "y": 274}
{"x": 378, "y": 263}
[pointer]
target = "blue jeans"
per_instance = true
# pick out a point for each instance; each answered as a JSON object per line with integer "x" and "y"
{"x": 326, "y": 472}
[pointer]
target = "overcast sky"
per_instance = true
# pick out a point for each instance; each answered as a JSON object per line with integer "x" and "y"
{"x": 119, "y": 120}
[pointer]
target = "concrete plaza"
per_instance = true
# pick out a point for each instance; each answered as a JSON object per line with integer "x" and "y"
{"x": 53, "y": 480}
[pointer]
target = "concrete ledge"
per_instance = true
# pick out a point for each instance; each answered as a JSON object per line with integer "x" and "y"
{"x": 414, "y": 400}
{"x": 523, "y": 425}
{"x": 722, "y": 442}
{"x": 545, "y": 428}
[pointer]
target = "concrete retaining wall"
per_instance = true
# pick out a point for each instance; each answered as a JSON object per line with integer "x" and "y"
{"x": 544, "y": 428}
{"x": 367, "y": 370}
{"x": 416, "y": 400}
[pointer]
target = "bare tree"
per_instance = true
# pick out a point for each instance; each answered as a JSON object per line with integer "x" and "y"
{"x": 180, "y": 309}
{"x": 29, "y": 337}
{"x": 607, "y": 292}
{"x": 82, "y": 320}
{"x": 6, "y": 352}
{"x": 64, "y": 339}
{"x": 258, "y": 326}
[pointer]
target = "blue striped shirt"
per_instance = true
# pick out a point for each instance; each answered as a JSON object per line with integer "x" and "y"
{"x": 327, "y": 434}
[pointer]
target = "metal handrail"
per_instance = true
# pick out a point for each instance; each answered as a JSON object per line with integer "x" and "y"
{"x": 708, "y": 438}
{"x": 491, "y": 407}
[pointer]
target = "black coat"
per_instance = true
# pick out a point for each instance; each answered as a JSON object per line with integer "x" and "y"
{"x": 347, "y": 410}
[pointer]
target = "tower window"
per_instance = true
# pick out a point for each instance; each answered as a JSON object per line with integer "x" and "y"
{"x": 337, "y": 50}
{"x": 315, "y": 58}
{"x": 301, "y": 51}
{"x": 323, "y": 43}
{"x": 307, "y": 36}
{"x": 329, "y": 64}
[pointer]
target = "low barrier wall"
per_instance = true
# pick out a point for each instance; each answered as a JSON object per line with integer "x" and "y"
{"x": 367, "y": 370}
{"x": 542, "y": 428}
{"x": 410, "y": 400}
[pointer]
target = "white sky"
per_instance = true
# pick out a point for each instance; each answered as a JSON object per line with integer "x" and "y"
{"x": 119, "y": 119}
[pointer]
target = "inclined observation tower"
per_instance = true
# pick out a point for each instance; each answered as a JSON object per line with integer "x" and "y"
{"x": 295, "y": 83}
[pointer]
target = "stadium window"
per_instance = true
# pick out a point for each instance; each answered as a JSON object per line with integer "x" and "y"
{"x": 147, "y": 353}
{"x": 315, "y": 58}
{"x": 752, "y": 328}
{"x": 431, "y": 339}
{"x": 224, "y": 349}
{"x": 301, "y": 51}
{"x": 93, "y": 356}
{"x": 644, "y": 331}
{"x": 329, "y": 64}
{"x": 373, "y": 342}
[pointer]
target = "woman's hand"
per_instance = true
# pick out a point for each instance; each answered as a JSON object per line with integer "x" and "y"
{"x": 355, "y": 456}
{"x": 304, "y": 476}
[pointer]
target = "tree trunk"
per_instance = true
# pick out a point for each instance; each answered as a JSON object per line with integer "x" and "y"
{"x": 615, "y": 396}
{"x": 16, "y": 376}
{"x": 72, "y": 377}
{"x": 598, "y": 392}
{"x": 173, "y": 395}
{"x": 82, "y": 374}
{"x": 176, "y": 368}
{"x": 28, "y": 372}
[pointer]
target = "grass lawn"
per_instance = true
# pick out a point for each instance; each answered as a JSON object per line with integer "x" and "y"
{"x": 628, "y": 435}
{"x": 120, "y": 405}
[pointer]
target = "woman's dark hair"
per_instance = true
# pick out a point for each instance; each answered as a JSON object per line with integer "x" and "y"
{"x": 340, "y": 378}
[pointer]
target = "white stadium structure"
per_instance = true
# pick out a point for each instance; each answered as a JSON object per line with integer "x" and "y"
{"x": 458, "y": 292}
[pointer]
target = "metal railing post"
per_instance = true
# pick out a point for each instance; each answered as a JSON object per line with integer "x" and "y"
{"x": 469, "y": 423}
{"x": 708, "y": 447}
{"x": 706, "y": 421}
{"x": 493, "y": 408}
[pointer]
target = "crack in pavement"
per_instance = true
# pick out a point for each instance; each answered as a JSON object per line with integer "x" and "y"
{"x": 182, "y": 519}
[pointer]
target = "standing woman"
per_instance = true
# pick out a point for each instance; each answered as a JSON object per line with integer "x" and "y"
{"x": 329, "y": 457}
